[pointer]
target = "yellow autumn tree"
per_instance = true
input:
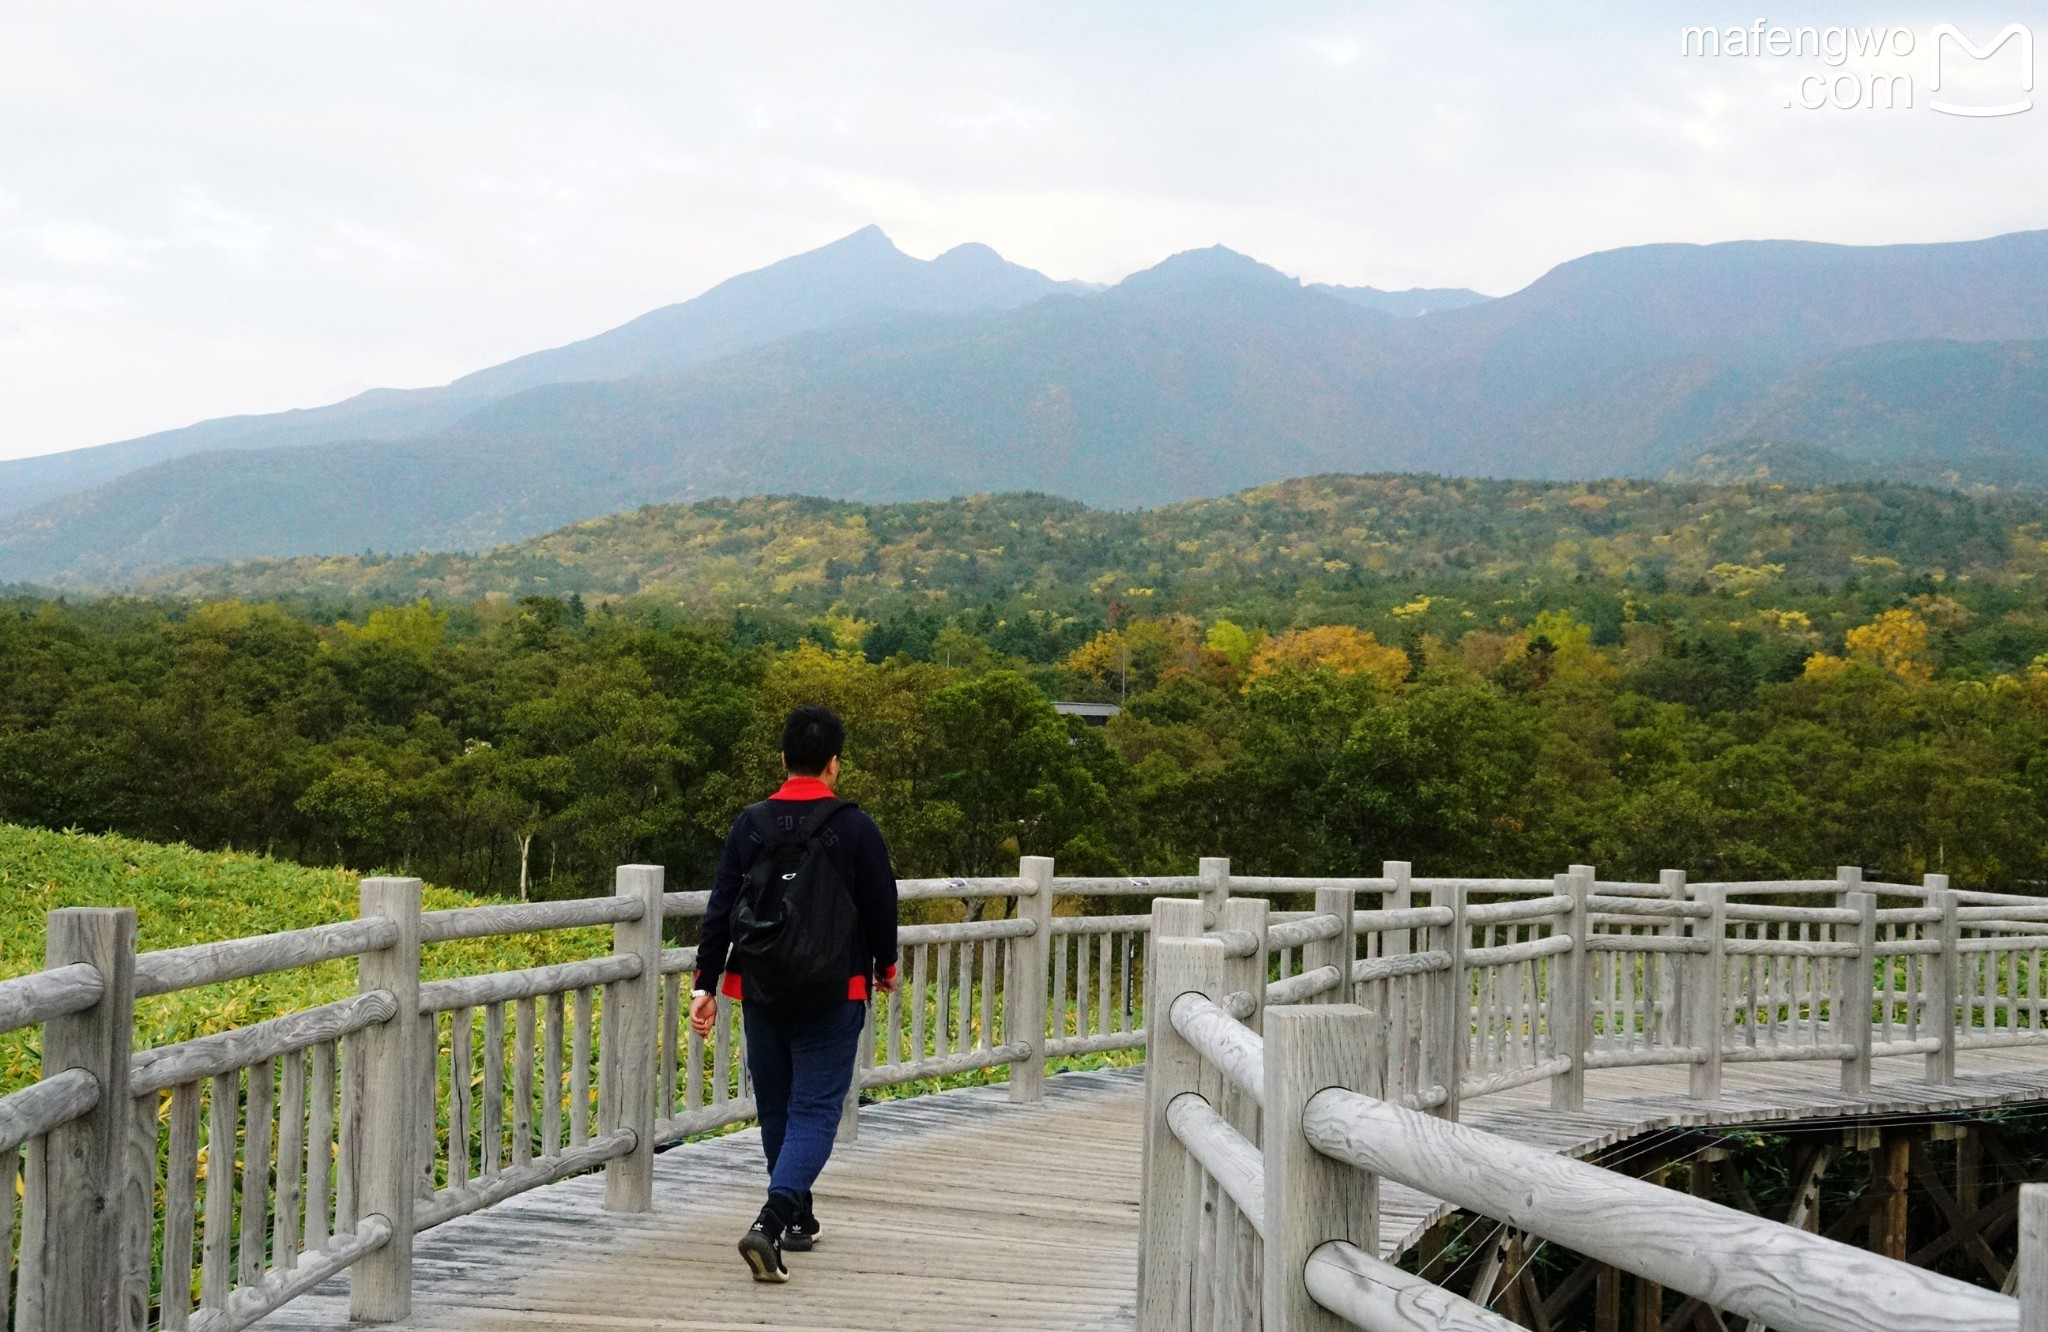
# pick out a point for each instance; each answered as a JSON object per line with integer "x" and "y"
{"x": 1332, "y": 647}
{"x": 1131, "y": 660}
{"x": 1895, "y": 641}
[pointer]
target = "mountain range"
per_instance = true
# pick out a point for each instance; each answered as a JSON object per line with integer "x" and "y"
{"x": 858, "y": 372}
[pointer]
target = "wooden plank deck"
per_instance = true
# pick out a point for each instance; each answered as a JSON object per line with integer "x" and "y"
{"x": 956, "y": 1210}
{"x": 962, "y": 1211}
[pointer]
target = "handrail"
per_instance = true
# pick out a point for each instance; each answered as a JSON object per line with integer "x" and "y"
{"x": 916, "y": 890}
{"x": 1225, "y": 1042}
{"x": 1310, "y": 929}
{"x": 480, "y": 922}
{"x": 163, "y": 1066}
{"x": 42, "y": 1106}
{"x": 174, "y": 969}
{"x": 1230, "y": 1159}
{"x": 1369, "y": 1293}
{"x": 1307, "y": 985}
{"x": 39, "y": 996}
{"x": 965, "y": 931}
{"x": 499, "y": 987}
{"x": 1786, "y": 1278}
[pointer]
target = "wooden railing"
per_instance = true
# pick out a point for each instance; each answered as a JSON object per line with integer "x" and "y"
{"x": 201, "y": 1184}
{"x": 1260, "y": 1194}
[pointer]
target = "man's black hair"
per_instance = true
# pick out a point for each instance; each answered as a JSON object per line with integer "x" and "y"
{"x": 811, "y": 738}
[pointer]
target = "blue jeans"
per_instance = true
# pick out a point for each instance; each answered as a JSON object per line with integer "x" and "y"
{"x": 802, "y": 1065}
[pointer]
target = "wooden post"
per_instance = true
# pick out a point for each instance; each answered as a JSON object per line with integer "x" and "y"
{"x": 1398, "y": 1012}
{"x": 2033, "y": 1258}
{"x": 1214, "y": 873}
{"x": 1944, "y": 972}
{"x": 629, "y": 1044}
{"x": 1706, "y": 973}
{"x": 1887, "y": 1227}
{"x": 77, "y": 1195}
{"x": 863, "y": 1058}
{"x": 1310, "y": 1198}
{"x": 1177, "y": 965}
{"x": 1570, "y": 1004}
{"x": 1024, "y": 986}
{"x": 1247, "y": 975}
{"x": 1238, "y": 1294}
{"x": 1607, "y": 1299}
{"x": 1671, "y": 972}
{"x": 1450, "y": 1016}
{"x": 382, "y": 1128}
{"x": 1649, "y": 1309}
{"x": 1857, "y": 985}
{"x": 1338, "y": 951}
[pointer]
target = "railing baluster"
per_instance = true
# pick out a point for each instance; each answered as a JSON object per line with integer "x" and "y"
{"x": 320, "y": 1155}
{"x": 461, "y": 1068}
{"x": 551, "y": 1078}
{"x": 181, "y": 1191}
{"x": 291, "y": 1157}
{"x": 216, "y": 1245}
{"x": 991, "y": 949}
{"x": 963, "y": 1040}
{"x": 671, "y": 1035}
{"x": 920, "y": 966}
{"x": 491, "y": 1120}
{"x": 522, "y": 1082}
{"x": 579, "y": 1070}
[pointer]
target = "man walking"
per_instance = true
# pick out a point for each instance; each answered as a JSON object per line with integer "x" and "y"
{"x": 801, "y": 928}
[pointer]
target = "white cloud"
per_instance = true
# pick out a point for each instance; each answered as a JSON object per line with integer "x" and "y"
{"x": 236, "y": 206}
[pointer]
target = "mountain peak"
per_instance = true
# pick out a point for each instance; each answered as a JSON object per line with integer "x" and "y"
{"x": 1216, "y": 263}
{"x": 868, "y": 238}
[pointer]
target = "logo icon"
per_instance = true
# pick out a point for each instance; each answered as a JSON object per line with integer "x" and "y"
{"x": 1940, "y": 44}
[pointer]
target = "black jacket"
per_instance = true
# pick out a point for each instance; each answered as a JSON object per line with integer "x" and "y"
{"x": 860, "y": 855}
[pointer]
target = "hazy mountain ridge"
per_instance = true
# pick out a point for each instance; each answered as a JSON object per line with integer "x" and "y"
{"x": 1205, "y": 374}
{"x": 861, "y": 275}
{"x": 1408, "y": 303}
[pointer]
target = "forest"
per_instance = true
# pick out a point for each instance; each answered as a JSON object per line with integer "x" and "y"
{"x": 1885, "y": 704}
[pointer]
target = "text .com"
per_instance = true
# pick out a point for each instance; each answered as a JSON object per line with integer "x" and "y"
{"x": 1945, "y": 69}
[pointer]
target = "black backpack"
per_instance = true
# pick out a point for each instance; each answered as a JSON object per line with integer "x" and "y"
{"x": 794, "y": 922}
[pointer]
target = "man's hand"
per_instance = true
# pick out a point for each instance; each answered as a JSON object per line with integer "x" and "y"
{"x": 703, "y": 1013}
{"x": 887, "y": 983}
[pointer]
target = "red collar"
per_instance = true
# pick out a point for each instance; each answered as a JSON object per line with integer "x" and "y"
{"x": 802, "y": 788}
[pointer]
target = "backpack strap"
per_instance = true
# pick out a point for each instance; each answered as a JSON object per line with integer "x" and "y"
{"x": 815, "y": 823}
{"x": 772, "y": 833}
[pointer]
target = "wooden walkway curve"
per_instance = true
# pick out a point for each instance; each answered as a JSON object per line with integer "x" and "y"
{"x": 972, "y": 1212}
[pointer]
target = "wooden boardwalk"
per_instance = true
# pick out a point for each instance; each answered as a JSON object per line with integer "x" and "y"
{"x": 955, "y": 1210}
{"x": 966, "y": 1211}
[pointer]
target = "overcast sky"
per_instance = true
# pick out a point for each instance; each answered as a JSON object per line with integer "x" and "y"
{"x": 215, "y": 208}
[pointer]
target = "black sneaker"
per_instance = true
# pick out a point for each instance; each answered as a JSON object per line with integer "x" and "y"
{"x": 761, "y": 1246}
{"x": 802, "y": 1233}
